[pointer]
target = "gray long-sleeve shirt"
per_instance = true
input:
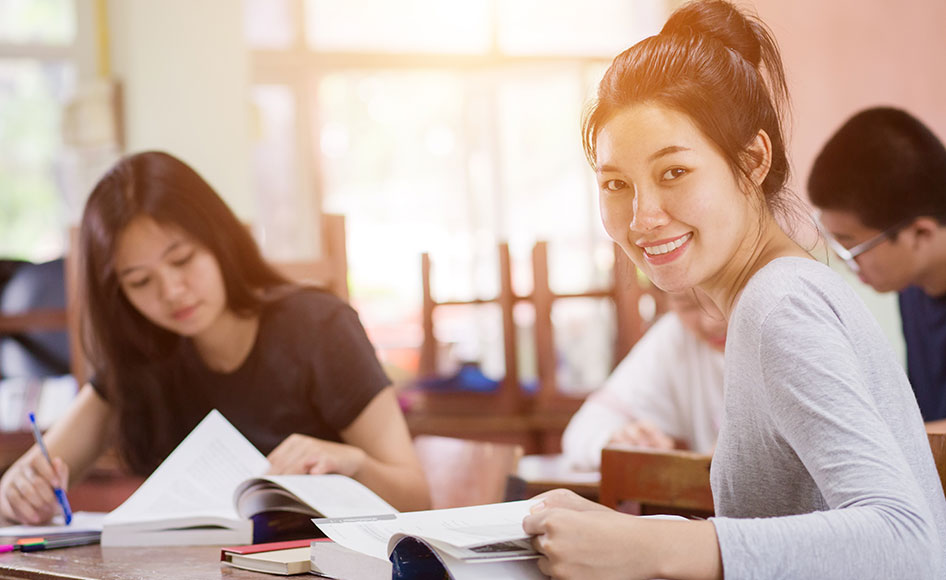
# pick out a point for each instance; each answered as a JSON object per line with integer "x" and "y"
{"x": 820, "y": 425}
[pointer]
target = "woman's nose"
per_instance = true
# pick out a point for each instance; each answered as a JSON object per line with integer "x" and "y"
{"x": 172, "y": 285}
{"x": 648, "y": 211}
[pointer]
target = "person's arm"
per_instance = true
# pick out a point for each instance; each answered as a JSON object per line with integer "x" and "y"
{"x": 377, "y": 451}
{"x": 581, "y": 539}
{"x": 847, "y": 431}
{"x": 588, "y": 431}
{"x": 938, "y": 426}
{"x": 74, "y": 443}
{"x": 640, "y": 389}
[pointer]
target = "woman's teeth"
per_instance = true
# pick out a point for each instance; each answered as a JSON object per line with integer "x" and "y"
{"x": 668, "y": 247}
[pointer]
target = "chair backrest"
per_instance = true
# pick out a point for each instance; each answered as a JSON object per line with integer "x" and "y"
{"x": 938, "y": 446}
{"x": 462, "y": 472}
{"x": 659, "y": 481}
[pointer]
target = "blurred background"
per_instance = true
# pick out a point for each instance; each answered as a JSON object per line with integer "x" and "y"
{"x": 444, "y": 127}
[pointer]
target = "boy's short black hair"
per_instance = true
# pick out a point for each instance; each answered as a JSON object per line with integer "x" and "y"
{"x": 883, "y": 165}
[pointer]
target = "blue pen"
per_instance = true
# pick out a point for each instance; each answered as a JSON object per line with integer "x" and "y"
{"x": 60, "y": 494}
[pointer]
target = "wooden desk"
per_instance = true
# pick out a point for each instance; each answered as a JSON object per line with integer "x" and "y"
{"x": 540, "y": 473}
{"x": 88, "y": 562}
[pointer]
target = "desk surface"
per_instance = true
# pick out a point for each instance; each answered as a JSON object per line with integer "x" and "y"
{"x": 88, "y": 562}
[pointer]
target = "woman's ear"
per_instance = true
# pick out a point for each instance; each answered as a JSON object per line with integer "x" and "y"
{"x": 925, "y": 228}
{"x": 759, "y": 156}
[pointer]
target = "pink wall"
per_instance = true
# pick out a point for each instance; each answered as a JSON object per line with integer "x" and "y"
{"x": 845, "y": 55}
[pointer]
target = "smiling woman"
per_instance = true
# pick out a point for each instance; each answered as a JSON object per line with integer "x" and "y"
{"x": 185, "y": 316}
{"x": 685, "y": 137}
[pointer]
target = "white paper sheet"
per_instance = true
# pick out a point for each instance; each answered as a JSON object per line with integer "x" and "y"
{"x": 81, "y": 522}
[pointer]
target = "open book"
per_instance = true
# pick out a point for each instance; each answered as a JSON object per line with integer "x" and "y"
{"x": 211, "y": 491}
{"x": 469, "y": 543}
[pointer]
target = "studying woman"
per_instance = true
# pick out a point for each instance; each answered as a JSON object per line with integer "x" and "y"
{"x": 183, "y": 316}
{"x": 822, "y": 467}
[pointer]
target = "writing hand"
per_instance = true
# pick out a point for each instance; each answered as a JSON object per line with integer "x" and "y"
{"x": 26, "y": 489}
{"x": 305, "y": 454}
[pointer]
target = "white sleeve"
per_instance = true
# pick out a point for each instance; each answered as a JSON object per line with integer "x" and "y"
{"x": 637, "y": 389}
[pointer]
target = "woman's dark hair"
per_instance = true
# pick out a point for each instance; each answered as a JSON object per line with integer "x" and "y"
{"x": 716, "y": 65}
{"x": 885, "y": 166}
{"x": 125, "y": 348}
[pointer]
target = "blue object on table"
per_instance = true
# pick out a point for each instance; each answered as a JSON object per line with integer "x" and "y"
{"x": 468, "y": 378}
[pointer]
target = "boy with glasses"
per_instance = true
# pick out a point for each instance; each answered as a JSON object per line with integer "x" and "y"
{"x": 880, "y": 187}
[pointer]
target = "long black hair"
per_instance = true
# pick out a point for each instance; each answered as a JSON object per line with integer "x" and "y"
{"x": 125, "y": 348}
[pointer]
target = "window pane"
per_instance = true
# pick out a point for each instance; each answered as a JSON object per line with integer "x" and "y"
{"x": 32, "y": 208}
{"x": 584, "y": 343}
{"x": 443, "y": 26}
{"x": 401, "y": 153}
{"x": 470, "y": 334}
{"x": 397, "y": 150}
{"x": 546, "y": 192}
{"x": 267, "y": 23}
{"x": 39, "y": 21}
{"x": 590, "y": 27}
{"x": 284, "y": 224}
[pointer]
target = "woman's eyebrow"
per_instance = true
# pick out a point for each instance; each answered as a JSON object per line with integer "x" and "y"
{"x": 662, "y": 152}
{"x": 171, "y": 247}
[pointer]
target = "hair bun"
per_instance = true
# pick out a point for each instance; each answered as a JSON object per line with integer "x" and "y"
{"x": 719, "y": 20}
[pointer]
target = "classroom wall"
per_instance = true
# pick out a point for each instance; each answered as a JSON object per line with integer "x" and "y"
{"x": 845, "y": 55}
{"x": 184, "y": 70}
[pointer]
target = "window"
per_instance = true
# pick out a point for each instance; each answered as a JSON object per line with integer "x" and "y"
{"x": 37, "y": 76}
{"x": 442, "y": 127}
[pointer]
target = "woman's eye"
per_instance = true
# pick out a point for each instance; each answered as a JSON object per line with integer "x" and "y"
{"x": 139, "y": 283}
{"x": 183, "y": 260}
{"x": 673, "y": 173}
{"x": 614, "y": 185}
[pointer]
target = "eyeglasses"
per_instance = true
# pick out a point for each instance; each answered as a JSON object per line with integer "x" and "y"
{"x": 848, "y": 254}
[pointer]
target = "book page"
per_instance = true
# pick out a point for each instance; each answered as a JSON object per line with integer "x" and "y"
{"x": 466, "y": 527}
{"x": 331, "y": 495}
{"x": 198, "y": 478}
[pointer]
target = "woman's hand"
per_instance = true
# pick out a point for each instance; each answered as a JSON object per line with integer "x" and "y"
{"x": 26, "y": 489}
{"x": 305, "y": 454}
{"x": 581, "y": 539}
{"x": 642, "y": 434}
{"x": 586, "y": 543}
{"x": 566, "y": 499}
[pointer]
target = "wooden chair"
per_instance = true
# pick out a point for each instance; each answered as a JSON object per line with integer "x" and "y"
{"x": 626, "y": 291}
{"x": 463, "y": 472}
{"x": 938, "y": 446}
{"x": 669, "y": 482}
{"x": 507, "y": 399}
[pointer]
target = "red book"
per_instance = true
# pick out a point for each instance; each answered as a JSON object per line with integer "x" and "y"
{"x": 284, "y": 558}
{"x": 256, "y": 548}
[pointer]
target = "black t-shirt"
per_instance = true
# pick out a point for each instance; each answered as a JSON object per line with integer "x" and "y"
{"x": 924, "y": 331}
{"x": 312, "y": 370}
